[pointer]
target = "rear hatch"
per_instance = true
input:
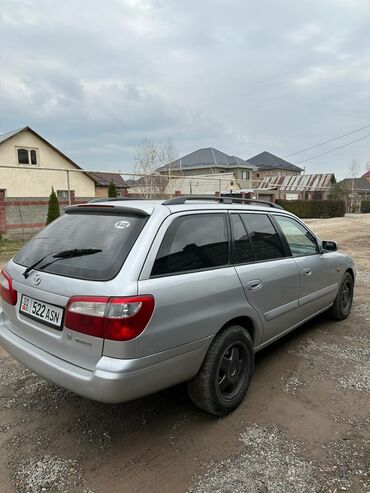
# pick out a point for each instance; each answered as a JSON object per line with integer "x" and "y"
{"x": 82, "y": 252}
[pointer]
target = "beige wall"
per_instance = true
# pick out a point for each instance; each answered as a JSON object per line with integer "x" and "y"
{"x": 263, "y": 174}
{"x": 207, "y": 171}
{"x": 237, "y": 172}
{"x": 23, "y": 182}
{"x": 274, "y": 172}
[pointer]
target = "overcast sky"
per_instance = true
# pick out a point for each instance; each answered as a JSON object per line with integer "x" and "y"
{"x": 96, "y": 78}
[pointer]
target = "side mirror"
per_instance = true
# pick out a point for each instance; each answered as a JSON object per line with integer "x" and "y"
{"x": 329, "y": 246}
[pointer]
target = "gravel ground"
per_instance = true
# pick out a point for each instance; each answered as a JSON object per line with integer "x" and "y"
{"x": 304, "y": 426}
{"x": 271, "y": 461}
{"x": 46, "y": 473}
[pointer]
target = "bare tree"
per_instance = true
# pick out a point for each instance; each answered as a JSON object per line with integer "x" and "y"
{"x": 149, "y": 157}
{"x": 354, "y": 168}
{"x": 167, "y": 154}
{"x": 146, "y": 162}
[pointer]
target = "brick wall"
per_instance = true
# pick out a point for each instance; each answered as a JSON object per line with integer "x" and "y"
{"x": 23, "y": 217}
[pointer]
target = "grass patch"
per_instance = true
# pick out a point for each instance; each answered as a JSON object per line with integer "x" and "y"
{"x": 8, "y": 248}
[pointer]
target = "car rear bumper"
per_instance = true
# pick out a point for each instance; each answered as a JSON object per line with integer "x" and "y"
{"x": 113, "y": 380}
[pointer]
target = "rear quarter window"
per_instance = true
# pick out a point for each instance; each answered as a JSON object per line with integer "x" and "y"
{"x": 113, "y": 234}
{"x": 193, "y": 242}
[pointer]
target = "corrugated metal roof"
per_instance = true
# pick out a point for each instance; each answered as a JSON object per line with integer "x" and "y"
{"x": 266, "y": 160}
{"x": 358, "y": 183}
{"x": 209, "y": 157}
{"x": 298, "y": 183}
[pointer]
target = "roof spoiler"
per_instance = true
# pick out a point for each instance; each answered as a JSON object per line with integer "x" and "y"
{"x": 104, "y": 209}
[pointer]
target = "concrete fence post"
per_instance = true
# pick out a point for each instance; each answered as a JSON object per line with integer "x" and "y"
{"x": 2, "y": 212}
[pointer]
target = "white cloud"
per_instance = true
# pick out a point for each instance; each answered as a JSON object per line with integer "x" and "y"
{"x": 305, "y": 33}
{"x": 241, "y": 76}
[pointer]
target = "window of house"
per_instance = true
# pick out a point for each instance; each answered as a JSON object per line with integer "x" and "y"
{"x": 27, "y": 156}
{"x": 265, "y": 241}
{"x": 193, "y": 242}
{"x": 300, "y": 240}
{"x": 63, "y": 194}
{"x": 245, "y": 175}
{"x": 33, "y": 156}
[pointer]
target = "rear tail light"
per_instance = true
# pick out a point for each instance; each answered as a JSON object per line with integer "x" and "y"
{"x": 7, "y": 292}
{"x": 117, "y": 319}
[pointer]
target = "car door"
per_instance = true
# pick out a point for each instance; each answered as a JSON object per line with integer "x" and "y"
{"x": 196, "y": 289}
{"x": 269, "y": 277}
{"x": 318, "y": 277}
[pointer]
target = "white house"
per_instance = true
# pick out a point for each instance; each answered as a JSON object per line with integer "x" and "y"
{"x": 29, "y": 154}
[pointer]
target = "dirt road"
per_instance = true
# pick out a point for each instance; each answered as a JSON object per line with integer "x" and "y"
{"x": 304, "y": 426}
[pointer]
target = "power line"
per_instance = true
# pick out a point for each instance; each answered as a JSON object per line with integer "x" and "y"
{"x": 327, "y": 141}
{"x": 334, "y": 149}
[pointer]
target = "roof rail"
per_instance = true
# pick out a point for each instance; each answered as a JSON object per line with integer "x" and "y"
{"x": 221, "y": 200}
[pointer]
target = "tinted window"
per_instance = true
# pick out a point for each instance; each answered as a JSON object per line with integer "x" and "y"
{"x": 193, "y": 242}
{"x": 266, "y": 243}
{"x": 301, "y": 241}
{"x": 113, "y": 234}
{"x": 242, "y": 247}
{"x": 23, "y": 156}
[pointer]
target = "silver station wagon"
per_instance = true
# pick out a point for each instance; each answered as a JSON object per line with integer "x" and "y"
{"x": 118, "y": 299}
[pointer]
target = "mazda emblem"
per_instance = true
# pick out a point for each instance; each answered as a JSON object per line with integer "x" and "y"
{"x": 36, "y": 279}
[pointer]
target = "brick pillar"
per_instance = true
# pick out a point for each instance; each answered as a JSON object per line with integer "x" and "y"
{"x": 73, "y": 196}
{"x": 2, "y": 212}
{"x": 177, "y": 193}
{"x": 124, "y": 192}
{"x": 217, "y": 194}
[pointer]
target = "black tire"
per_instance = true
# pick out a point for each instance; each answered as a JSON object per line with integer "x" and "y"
{"x": 343, "y": 302}
{"x": 226, "y": 372}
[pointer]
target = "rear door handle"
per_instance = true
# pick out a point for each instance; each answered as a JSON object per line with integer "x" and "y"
{"x": 307, "y": 272}
{"x": 254, "y": 285}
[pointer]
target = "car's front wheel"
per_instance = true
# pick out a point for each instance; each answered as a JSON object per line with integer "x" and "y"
{"x": 343, "y": 302}
{"x": 225, "y": 374}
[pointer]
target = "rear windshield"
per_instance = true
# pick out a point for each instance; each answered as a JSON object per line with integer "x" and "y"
{"x": 113, "y": 234}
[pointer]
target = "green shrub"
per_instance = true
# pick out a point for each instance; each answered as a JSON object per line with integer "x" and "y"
{"x": 112, "y": 190}
{"x": 314, "y": 208}
{"x": 365, "y": 206}
{"x": 53, "y": 208}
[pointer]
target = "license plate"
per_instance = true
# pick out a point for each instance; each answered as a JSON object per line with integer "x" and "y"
{"x": 46, "y": 313}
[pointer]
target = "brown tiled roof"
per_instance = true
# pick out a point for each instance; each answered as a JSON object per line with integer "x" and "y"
{"x": 103, "y": 179}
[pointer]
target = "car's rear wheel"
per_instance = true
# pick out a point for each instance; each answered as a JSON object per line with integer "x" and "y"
{"x": 343, "y": 302}
{"x": 225, "y": 374}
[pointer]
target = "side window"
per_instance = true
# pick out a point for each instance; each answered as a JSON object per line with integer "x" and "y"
{"x": 242, "y": 246}
{"x": 301, "y": 241}
{"x": 193, "y": 242}
{"x": 266, "y": 243}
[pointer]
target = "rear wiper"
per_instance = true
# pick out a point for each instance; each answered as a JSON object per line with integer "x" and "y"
{"x": 76, "y": 252}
